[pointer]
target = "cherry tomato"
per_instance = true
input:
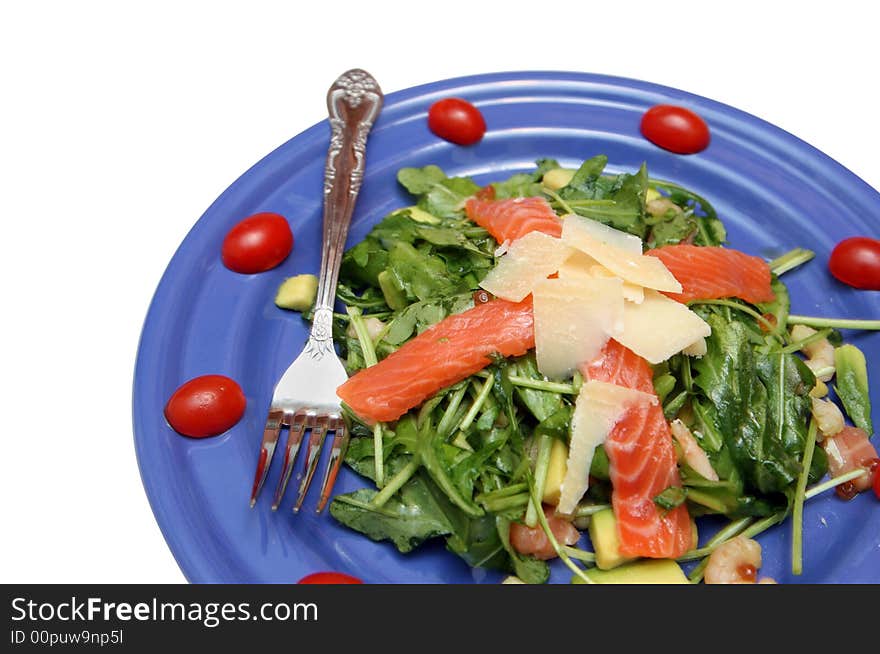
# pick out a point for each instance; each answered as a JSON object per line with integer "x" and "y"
{"x": 877, "y": 482}
{"x": 257, "y": 243}
{"x": 329, "y": 578}
{"x": 456, "y": 120}
{"x": 675, "y": 129}
{"x": 205, "y": 406}
{"x": 856, "y": 261}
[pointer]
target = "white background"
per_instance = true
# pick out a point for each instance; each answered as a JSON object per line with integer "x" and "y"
{"x": 121, "y": 122}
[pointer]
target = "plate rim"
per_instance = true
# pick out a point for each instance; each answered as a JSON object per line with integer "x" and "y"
{"x": 182, "y": 546}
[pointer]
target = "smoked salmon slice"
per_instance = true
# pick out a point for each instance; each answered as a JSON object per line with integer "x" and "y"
{"x": 705, "y": 272}
{"x": 510, "y": 219}
{"x": 442, "y": 355}
{"x": 642, "y": 462}
{"x": 709, "y": 273}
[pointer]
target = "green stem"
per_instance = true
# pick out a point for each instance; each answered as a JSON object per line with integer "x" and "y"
{"x": 555, "y": 543}
{"x": 822, "y": 372}
{"x": 397, "y": 481}
{"x": 696, "y": 574}
{"x": 504, "y": 503}
{"x": 445, "y": 425}
{"x": 686, "y": 375}
{"x": 835, "y": 323}
{"x": 741, "y": 307}
{"x": 579, "y": 554}
{"x": 801, "y": 344}
{"x": 797, "y": 553}
{"x": 482, "y": 394}
{"x": 810, "y": 493}
{"x": 562, "y": 203}
{"x": 379, "y": 315}
{"x": 586, "y": 510}
{"x": 790, "y": 260}
{"x": 345, "y": 499}
{"x": 360, "y": 328}
{"x": 763, "y": 525}
{"x": 545, "y": 444}
{"x": 507, "y": 491}
{"x": 705, "y": 205}
{"x": 541, "y": 385}
{"x": 379, "y": 454}
{"x": 706, "y": 499}
{"x": 370, "y": 359}
{"x": 723, "y": 535}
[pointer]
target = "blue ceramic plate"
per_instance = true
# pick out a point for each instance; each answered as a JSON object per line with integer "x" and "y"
{"x": 773, "y": 191}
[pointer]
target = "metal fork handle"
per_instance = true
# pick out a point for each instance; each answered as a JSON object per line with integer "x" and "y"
{"x": 353, "y": 101}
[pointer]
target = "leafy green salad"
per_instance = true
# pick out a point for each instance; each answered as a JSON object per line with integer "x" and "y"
{"x": 477, "y": 458}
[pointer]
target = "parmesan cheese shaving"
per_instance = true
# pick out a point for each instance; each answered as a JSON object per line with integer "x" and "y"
{"x": 528, "y": 261}
{"x": 573, "y": 321}
{"x": 599, "y": 406}
{"x": 580, "y": 265}
{"x": 617, "y": 254}
{"x": 660, "y": 327}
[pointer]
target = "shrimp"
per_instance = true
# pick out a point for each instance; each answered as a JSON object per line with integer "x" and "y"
{"x": 694, "y": 454}
{"x": 828, "y": 418}
{"x": 374, "y": 326}
{"x": 735, "y": 562}
{"x": 820, "y": 354}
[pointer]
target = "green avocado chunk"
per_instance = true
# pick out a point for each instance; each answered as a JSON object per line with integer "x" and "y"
{"x": 606, "y": 544}
{"x": 297, "y": 293}
{"x": 646, "y": 571}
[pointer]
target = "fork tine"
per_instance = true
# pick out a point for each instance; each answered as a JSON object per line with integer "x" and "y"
{"x": 316, "y": 440}
{"x": 274, "y": 422}
{"x": 301, "y": 420}
{"x": 340, "y": 442}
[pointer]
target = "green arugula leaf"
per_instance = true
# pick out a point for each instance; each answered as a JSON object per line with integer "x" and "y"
{"x": 521, "y": 185}
{"x": 671, "y": 497}
{"x": 438, "y": 194}
{"x": 852, "y": 385}
{"x": 419, "y": 181}
{"x": 408, "y": 519}
{"x": 739, "y": 410}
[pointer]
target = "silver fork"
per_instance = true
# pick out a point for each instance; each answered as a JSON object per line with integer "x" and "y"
{"x": 305, "y": 396}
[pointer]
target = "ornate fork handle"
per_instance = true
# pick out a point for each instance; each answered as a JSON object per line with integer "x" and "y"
{"x": 353, "y": 102}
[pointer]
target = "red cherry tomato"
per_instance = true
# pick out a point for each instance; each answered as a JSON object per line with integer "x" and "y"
{"x": 856, "y": 261}
{"x": 329, "y": 578}
{"x": 205, "y": 406}
{"x": 877, "y": 482}
{"x": 257, "y": 243}
{"x": 456, "y": 120}
{"x": 675, "y": 129}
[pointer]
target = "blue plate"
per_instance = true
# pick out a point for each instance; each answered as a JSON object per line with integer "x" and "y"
{"x": 773, "y": 191}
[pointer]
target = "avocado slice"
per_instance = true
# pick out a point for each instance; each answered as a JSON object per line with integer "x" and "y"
{"x": 422, "y": 216}
{"x": 557, "y": 178}
{"x": 555, "y": 472}
{"x": 297, "y": 293}
{"x": 646, "y": 571}
{"x": 606, "y": 544}
{"x": 395, "y": 297}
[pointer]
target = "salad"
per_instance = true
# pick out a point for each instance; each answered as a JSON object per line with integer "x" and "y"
{"x": 570, "y": 351}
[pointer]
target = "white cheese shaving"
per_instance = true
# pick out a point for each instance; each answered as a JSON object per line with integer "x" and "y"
{"x": 573, "y": 321}
{"x": 528, "y": 261}
{"x": 599, "y": 406}
{"x": 617, "y": 254}
{"x": 660, "y": 327}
